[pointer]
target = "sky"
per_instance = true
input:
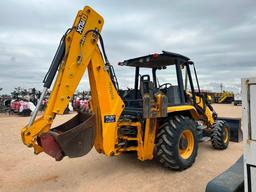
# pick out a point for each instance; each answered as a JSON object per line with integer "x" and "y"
{"x": 219, "y": 36}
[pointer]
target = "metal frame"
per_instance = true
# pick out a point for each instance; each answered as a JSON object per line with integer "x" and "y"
{"x": 191, "y": 83}
{"x": 179, "y": 80}
{"x": 136, "y": 84}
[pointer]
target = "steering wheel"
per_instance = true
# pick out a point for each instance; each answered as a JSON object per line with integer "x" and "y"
{"x": 165, "y": 86}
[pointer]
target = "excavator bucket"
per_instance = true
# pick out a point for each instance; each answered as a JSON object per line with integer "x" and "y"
{"x": 74, "y": 138}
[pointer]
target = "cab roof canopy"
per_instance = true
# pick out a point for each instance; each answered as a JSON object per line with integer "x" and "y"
{"x": 158, "y": 61}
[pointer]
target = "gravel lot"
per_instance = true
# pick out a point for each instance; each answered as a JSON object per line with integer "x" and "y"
{"x": 21, "y": 170}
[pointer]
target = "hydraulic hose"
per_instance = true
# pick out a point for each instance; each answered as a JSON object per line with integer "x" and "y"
{"x": 107, "y": 63}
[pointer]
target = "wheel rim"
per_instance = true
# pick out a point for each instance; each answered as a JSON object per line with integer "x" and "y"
{"x": 186, "y": 144}
{"x": 225, "y": 135}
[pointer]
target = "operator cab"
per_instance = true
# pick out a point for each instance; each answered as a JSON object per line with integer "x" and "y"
{"x": 166, "y": 72}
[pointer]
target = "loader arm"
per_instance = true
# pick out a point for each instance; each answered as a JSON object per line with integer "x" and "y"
{"x": 81, "y": 52}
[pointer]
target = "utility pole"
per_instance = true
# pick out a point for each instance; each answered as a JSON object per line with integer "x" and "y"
{"x": 221, "y": 87}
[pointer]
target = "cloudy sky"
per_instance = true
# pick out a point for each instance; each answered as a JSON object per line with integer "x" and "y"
{"x": 219, "y": 36}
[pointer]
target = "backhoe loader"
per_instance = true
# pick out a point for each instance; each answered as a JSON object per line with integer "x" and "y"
{"x": 165, "y": 121}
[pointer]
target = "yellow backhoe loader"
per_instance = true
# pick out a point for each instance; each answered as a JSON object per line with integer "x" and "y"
{"x": 164, "y": 120}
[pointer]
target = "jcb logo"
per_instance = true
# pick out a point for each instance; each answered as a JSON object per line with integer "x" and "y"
{"x": 80, "y": 26}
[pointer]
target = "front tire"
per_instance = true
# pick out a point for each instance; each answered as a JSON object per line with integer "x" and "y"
{"x": 220, "y": 135}
{"x": 176, "y": 143}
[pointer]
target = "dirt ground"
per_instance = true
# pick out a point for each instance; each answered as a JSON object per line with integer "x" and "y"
{"x": 21, "y": 170}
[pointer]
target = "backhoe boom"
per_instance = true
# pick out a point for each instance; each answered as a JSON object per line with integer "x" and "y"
{"x": 81, "y": 52}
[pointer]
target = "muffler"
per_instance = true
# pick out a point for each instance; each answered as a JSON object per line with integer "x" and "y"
{"x": 74, "y": 138}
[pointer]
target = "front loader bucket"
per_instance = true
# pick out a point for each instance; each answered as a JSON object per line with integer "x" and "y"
{"x": 74, "y": 138}
{"x": 236, "y": 134}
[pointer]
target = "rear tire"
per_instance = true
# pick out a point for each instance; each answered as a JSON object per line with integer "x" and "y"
{"x": 176, "y": 143}
{"x": 220, "y": 135}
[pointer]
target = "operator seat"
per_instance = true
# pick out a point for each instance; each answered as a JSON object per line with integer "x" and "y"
{"x": 134, "y": 107}
{"x": 146, "y": 86}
